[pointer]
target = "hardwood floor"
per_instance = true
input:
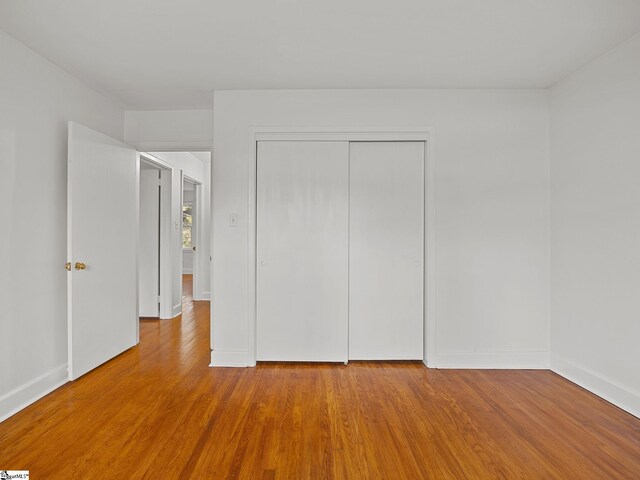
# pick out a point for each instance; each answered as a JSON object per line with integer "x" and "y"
{"x": 159, "y": 411}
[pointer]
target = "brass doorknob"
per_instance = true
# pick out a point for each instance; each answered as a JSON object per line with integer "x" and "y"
{"x": 67, "y": 266}
{"x": 80, "y": 266}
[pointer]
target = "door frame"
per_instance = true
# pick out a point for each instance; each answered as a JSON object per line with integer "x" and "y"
{"x": 198, "y": 221}
{"x": 158, "y": 183}
{"x": 191, "y": 146}
{"x": 424, "y": 134}
{"x": 166, "y": 173}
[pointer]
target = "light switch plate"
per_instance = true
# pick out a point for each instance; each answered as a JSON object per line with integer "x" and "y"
{"x": 233, "y": 219}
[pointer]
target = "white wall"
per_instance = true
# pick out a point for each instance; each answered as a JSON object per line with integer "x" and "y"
{"x": 202, "y": 284}
{"x": 187, "y": 261}
{"x": 186, "y": 162}
{"x": 595, "y": 229}
{"x": 492, "y": 211}
{"x": 36, "y": 101}
{"x": 169, "y": 129}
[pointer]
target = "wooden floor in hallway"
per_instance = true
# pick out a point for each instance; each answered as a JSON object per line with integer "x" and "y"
{"x": 159, "y": 411}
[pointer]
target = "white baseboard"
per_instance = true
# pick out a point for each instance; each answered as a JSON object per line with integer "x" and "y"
{"x": 174, "y": 314}
{"x": 597, "y": 384}
{"x": 187, "y": 271}
{"x": 26, "y": 394}
{"x": 494, "y": 360}
{"x": 230, "y": 359}
{"x": 203, "y": 296}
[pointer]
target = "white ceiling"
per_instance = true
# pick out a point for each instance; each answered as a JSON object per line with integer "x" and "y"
{"x": 166, "y": 54}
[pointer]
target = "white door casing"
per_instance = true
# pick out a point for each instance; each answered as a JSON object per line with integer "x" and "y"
{"x": 167, "y": 270}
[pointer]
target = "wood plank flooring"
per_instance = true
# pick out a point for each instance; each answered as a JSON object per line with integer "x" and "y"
{"x": 159, "y": 411}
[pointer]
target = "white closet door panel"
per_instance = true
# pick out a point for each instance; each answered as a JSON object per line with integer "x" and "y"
{"x": 302, "y": 251}
{"x": 386, "y": 250}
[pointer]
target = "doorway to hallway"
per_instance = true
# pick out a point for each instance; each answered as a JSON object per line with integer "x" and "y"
{"x": 174, "y": 224}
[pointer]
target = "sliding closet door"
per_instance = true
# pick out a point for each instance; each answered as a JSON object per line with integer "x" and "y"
{"x": 302, "y": 251}
{"x": 386, "y": 250}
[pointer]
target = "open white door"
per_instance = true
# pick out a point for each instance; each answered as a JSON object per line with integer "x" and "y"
{"x": 102, "y": 243}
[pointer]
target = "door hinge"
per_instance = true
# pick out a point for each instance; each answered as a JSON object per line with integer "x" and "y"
{"x": 158, "y": 298}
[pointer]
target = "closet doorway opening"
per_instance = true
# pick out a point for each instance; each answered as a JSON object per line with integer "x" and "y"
{"x": 264, "y": 135}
